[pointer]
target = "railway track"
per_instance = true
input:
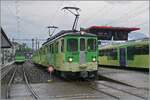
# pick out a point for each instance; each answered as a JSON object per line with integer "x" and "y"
{"x": 93, "y": 85}
{"x": 106, "y": 93}
{"x": 125, "y": 77}
{"x": 10, "y": 83}
{"x": 25, "y": 82}
{"x": 32, "y": 91}
{"x": 101, "y": 77}
{"x": 118, "y": 89}
{"x": 88, "y": 96}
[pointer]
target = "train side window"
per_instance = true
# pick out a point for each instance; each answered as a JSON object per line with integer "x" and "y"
{"x": 52, "y": 46}
{"x": 41, "y": 50}
{"x": 46, "y": 49}
{"x": 137, "y": 50}
{"x": 56, "y": 46}
{"x": 49, "y": 50}
{"x": 62, "y": 45}
{"x": 142, "y": 50}
{"x": 146, "y": 49}
{"x": 101, "y": 53}
{"x": 112, "y": 54}
{"x": 130, "y": 53}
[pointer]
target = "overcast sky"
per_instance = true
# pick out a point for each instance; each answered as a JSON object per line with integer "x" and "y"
{"x": 29, "y": 19}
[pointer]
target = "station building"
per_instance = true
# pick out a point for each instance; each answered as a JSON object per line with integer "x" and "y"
{"x": 6, "y": 51}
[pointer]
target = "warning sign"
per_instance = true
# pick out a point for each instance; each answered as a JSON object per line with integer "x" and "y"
{"x": 50, "y": 69}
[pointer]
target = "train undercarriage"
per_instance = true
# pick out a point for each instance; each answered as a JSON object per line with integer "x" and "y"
{"x": 76, "y": 75}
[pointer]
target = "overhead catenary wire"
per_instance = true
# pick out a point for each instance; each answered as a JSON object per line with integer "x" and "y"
{"x": 136, "y": 15}
{"x": 55, "y": 14}
{"x": 93, "y": 17}
{"x": 143, "y": 23}
{"x": 127, "y": 16}
{"x": 17, "y": 16}
{"x": 21, "y": 20}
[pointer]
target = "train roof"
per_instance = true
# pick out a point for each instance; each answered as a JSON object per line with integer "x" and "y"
{"x": 68, "y": 32}
{"x": 128, "y": 43}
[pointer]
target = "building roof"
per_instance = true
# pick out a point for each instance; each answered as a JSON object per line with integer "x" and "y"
{"x": 5, "y": 42}
{"x": 110, "y": 28}
{"x": 109, "y": 32}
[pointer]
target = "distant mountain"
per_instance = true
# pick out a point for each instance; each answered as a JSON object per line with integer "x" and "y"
{"x": 136, "y": 35}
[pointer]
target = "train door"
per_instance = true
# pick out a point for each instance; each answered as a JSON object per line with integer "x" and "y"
{"x": 122, "y": 53}
{"x": 82, "y": 50}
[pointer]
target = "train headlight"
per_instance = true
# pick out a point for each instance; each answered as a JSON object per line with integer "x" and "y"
{"x": 94, "y": 59}
{"x": 82, "y": 32}
{"x": 70, "y": 59}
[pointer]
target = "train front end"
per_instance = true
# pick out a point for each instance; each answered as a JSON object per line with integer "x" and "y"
{"x": 81, "y": 55}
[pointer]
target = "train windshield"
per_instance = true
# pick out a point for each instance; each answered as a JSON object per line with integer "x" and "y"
{"x": 82, "y": 44}
{"x": 91, "y": 44}
{"x": 72, "y": 45}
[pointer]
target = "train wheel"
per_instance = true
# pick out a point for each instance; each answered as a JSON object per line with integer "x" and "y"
{"x": 63, "y": 75}
{"x": 84, "y": 74}
{"x": 92, "y": 75}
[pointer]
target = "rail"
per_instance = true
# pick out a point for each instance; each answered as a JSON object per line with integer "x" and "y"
{"x": 9, "y": 84}
{"x": 29, "y": 86}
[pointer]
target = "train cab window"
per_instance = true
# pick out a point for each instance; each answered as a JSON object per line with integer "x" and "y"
{"x": 72, "y": 45}
{"x": 91, "y": 44}
{"x": 82, "y": 44}
{"x": 62, "y": 45}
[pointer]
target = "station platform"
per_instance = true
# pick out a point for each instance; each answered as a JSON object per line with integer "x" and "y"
{"x": 130, "y": 77}
{"x": 7, "y": 64}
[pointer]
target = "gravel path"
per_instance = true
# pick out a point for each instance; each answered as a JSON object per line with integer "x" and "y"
{"x": 36, "y": 73}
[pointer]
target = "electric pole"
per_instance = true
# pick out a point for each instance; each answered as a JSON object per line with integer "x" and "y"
{"x": 32, "y": 45}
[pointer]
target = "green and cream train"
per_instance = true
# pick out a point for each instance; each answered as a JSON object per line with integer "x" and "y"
{"x": 70, "y": 53}
{"x": 131, "y": 54}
